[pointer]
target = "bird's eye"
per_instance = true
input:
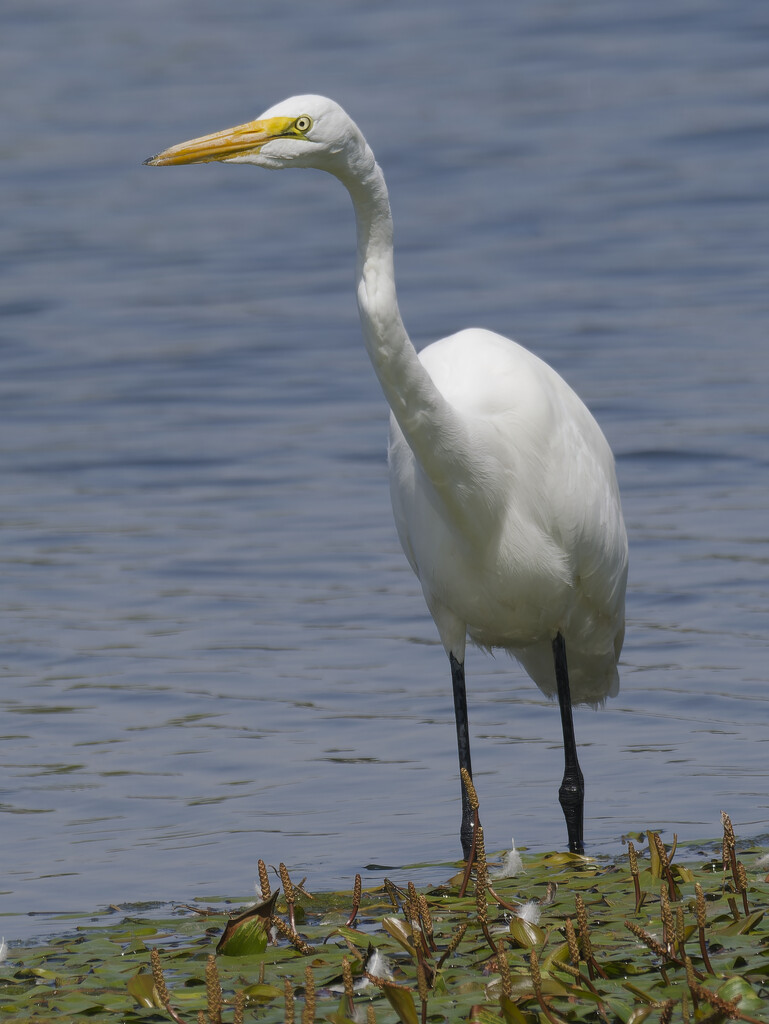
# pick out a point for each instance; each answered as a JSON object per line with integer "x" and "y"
{"x": 303, "y": 123}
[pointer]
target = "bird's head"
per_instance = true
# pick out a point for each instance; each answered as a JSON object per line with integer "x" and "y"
{"x": 304, "y": 131}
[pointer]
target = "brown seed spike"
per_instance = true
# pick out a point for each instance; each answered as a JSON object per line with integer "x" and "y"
{"x": 288, "y": 997}
{"x": 730, "y": 845}
{"x": 666, "y": 1011}
{"x": 264, "y": 881}
{"x": 480, "y": 854}
{"x": 240, "y": 1007}
{"x": 573, "y": 972}
{"x": 680, "y": 932}
{"x": 742, "y": 877}
{"x": 742, "y": 885}
{"x": 661, "y": 851}
{"x": 422, "y": 981}
{"x": 356, "y": 895}
{"x": 293, "y": 937}
{"x": 648, "y": 940}
{"x": 536, "y": 977}
{"x": 347, "y": 978}
{"x": 504, "y": 971}
{"x": 690, "y": 979}
{"x": 392, "y": 892}
{"x": 288, "y": 887}
{"x": 412, "y": 904}
{"x": 729, "y": 837}
{"x": 571, "y": 940}
{"x": 668, "y": 929}
{"x": 472, "y": 796}
{"x": 481, "y": 905}
{"x": 456, "y": 938}
{"x": 665, "y": 860}
{"x": 700, "y": 905}
{"x": 721, "y": 1005}
{"x": 632, "y": 857}
{"x": 584, "y": 930}
{"x": 214, "y": 996}
{"x": 308, "y": 1013}
{"x": 160, "y": 986}
{"x": 426, "y": 920}
{"x": 159, "y": 980}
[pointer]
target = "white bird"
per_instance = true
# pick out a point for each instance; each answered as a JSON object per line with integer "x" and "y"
{"x": 503, "y": 486}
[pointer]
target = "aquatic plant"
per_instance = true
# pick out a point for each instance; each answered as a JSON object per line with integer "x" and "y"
{"x": 662, "y": 934}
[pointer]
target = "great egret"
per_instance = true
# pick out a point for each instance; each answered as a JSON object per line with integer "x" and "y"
{"x": 503, "y": 486}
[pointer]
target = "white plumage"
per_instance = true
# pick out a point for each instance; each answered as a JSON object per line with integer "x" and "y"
{"x": 531, "y": 540}
{"x": 503, "y": 485}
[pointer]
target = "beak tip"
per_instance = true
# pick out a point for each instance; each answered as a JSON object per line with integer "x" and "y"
{"x": 150, "y": 161}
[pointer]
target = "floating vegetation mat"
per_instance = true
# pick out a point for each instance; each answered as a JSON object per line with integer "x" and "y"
{"x": 659, "y": 935}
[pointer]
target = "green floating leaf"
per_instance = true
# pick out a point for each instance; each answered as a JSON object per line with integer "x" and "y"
{"x": 510, "y": 1012}
{"x": 249, "y": 940}
{"x": 655, "y": 865}
{"x": 262, "y": 993}
{"x": 562, "y": 859}
{"x": 340, "y": 1017}
{"x": 744, "y": 925}
{"x": 684, "y": 874}
{"x": 400, "y": 932}
{"x": 522, "y": 987}
{"x": 639, "y": 993}
{"x": 247, "y": 934}
{"x": 142, "y": 988}
{"x": 402, "y": 1001}
{"x": 37, "y": 972}
{"x": 560, "y": 955}
{"x": 738, "y": 989}
{"x": 640, "y": 1014}
{"x": 525, "y": 934}
{"x": 83, "y": 976}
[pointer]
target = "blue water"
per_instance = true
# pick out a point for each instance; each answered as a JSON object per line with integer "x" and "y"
{"x": 212, "y": 649}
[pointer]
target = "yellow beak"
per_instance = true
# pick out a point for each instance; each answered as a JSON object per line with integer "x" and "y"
{"x": 245, "y": 138}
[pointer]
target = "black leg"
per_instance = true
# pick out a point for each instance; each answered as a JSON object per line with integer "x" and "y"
{"x": 572, "y": 792}
{"x": 463, "y": 746}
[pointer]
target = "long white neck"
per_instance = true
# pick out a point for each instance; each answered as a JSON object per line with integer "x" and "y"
{"x": 430, "y": 425}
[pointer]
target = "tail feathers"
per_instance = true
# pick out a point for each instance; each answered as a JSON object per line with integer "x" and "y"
{"x": 592, "y": 677}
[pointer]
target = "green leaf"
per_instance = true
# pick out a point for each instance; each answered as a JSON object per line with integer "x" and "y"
{"x": 560, "y": 955}
{"x": 262, "y": 993}
{"x": 82, "y": 975}
{"x": 247, "y": 934}
{"x": 738, "y": 989}
{"x": 640, "y": 1014}
{"x": 142, "y": 988}
{"x": 37, "y": 972}
{"x": 684, "y": 874}
{"x": 402, "y": 1001}
{"x": 510, "y": 1012}
{"x": 340, "y": 1017}
{"x": 400, "y": 932}
{"x": 744, "y": 925}
{"x": 525, "y": 934}
{"x": 655, "y": 865}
